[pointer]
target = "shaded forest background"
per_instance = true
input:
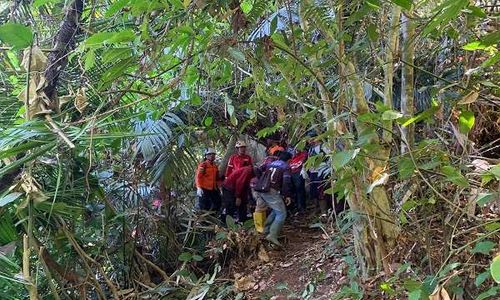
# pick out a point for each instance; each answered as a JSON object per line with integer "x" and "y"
{"x": 106, "y": 106}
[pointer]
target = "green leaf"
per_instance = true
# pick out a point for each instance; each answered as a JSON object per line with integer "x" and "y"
{"x": 341, "y": 159}
{"x": 197, "y": 257}
{"x": 492, "y": 226}
{"x": 415, "y": 294}
{"x": 375, "y": 4}
{"x": 391, "y": 115}
{"x": 472, "y": 46}
{"x": 482, "y": 278}
{"x": 208, "y": 121}
{"x": 489, "y": 293}
{"x": 406, "y": 4}
{"x": 16, "y": 35}
{"x": 495, "y": 171}
{"x": 230, "y": 223}
{"x": 454, "y": 176}
{"x": 405, "y": 168}
{"x": 466, "y": 121}
{"x": 495, "y": 269}
{"x": 9, "y": 198}
{"x": 246, "y": 6}
{"x": 115, "y": 7}
{"x": 483, "y": 247}
{"x": 485, "y": 198}
{"x": 38, "y": 3}
{"x": 236, "y": 54}
{"x": 185, "y": 256}
{"x": 196, "y": 100}
{"x": 423, "y": 115}
{"x": 123, "y": 36}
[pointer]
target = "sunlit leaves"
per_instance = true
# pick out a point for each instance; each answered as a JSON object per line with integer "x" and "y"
{"x": 16, "y": 35}
{"x": 444, "y": 13}
{"x": 406, "y": 4}
{"x": 495, "y": 269}
{"x": 466, "y": 121}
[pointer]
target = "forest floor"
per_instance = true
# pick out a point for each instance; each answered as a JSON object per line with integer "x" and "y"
{"x": 308, "y": 266}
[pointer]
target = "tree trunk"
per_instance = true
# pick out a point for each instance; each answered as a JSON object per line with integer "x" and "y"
{"x": 376, "y": 231}
{"x": 391, "y": 48}
{"x": 58, "y": 57}
{"x": 407, "y": 80}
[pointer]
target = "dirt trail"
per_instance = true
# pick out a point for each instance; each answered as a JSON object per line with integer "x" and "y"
{"x": 308, "y": 267}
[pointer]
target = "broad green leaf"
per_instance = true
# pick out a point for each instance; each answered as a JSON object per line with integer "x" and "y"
{"x": 16, "y": 35}
{"x": 406, "y": 4}
{"x": 495, "y": 269}
{"x": 246, "y": 6}
{"x": 405, "y": 168}
{"x": 477, "y": 11}
{"x": 197, "y": 257}
{"x": 98, "y": 38}
{"x": 472, "y": 46}
{"x": 454, "y": 176}
{"x": 491, "y": 61}
{"x": 466, "y": 121}
{"x": 482, "y": 278}
{"x": 9, "y": 198}
{"x": 341, "y": 159}
{"x": 115, "y": 54}
{"x": 230, "y": 223}
{"x": 196, "y": 100}
{"x": 208, "y": 121}
{"x": 117, "y": 70}
{"x": 89, "y": 60}
{"x": 485, "y": 198}
{"x": 185, "y": 256}
{"x": 483, "y": 247}
{"x": 126, "y": 35}
{"x": 391, "y": 115}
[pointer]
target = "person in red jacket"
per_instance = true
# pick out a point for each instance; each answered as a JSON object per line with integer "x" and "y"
{"x": 239, "y": 159}
{"x": 235, "y": 190}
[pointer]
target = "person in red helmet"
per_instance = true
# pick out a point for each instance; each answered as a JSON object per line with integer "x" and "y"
{"x": 238, "y": 160}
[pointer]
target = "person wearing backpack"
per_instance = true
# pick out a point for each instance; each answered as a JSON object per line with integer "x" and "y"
{"x": 207, "y": 175}
{"x": 274, "y": 186}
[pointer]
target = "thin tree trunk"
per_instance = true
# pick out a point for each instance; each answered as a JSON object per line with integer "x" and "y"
{"x": 64, "y": 43}
{"x": 407, "y": 79}
{"x": 391, "y": 48}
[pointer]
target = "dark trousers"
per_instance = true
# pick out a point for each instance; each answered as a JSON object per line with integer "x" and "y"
{"x": 299, "y": 188}
{"x": 210, "y": 200}
{"x": 229, "y": 206}
{"x": 314, "y": 185}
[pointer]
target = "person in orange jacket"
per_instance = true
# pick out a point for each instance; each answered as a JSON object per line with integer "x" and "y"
{"x": 206, "y": 179}
{"x": 239, "y": 159}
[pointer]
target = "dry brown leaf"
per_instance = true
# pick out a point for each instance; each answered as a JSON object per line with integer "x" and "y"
{"x": 440, "y": 293}
{"x": 262, "y": 254}
{"x": 38, "y": 60}
{"x": 81, "y": 100}
{"x": 469, "y": 98}
{"x": 244, "y": 283}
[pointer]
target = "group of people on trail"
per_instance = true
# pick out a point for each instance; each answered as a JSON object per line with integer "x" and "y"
{"x": 277, "y": 183}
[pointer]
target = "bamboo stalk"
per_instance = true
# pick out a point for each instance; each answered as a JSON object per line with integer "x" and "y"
{"x": 26, "y": 269}
{"x": 407, "y": 79}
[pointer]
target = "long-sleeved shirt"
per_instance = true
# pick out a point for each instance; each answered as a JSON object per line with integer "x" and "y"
{"x": 297, "y": 161}
{"x": 237, "y": 161}
{"x": 239, "y": 181}
{"x": 207, "y": 175}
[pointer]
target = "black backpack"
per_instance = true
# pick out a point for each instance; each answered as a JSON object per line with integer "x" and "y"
{"x": 270, "y": 178}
